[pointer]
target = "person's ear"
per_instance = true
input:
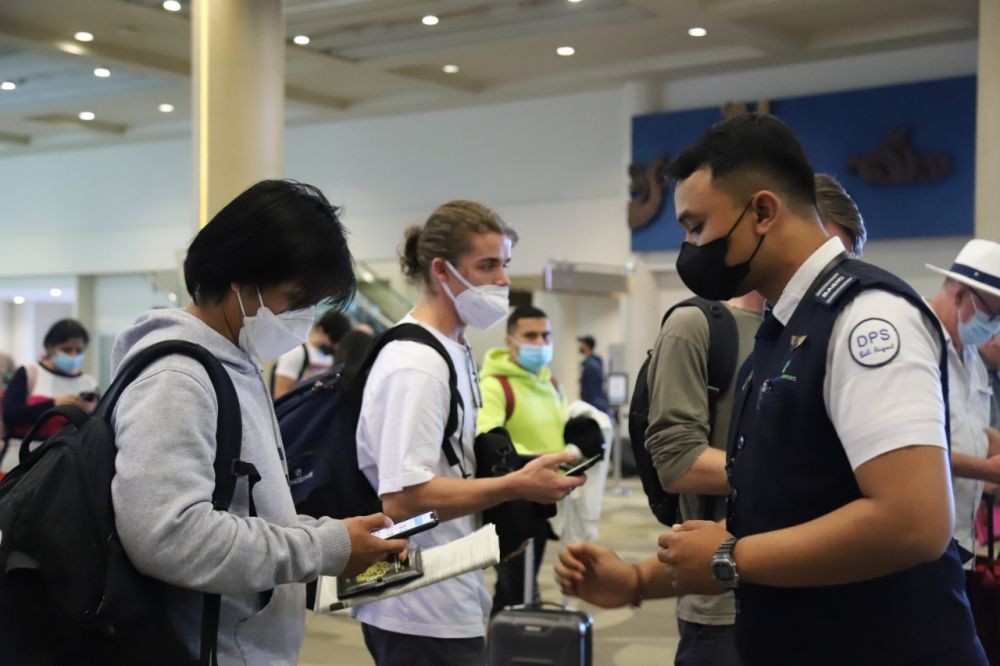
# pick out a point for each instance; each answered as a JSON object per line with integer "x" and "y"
{"x": 765, "y": 207}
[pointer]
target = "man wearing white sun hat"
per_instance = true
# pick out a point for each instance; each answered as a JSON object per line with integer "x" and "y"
{"x": 968, "y": 305}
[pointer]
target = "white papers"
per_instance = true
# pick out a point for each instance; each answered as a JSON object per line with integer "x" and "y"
{"x": 478, "y": 550}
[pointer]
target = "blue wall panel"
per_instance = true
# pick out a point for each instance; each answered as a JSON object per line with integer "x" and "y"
{"x": 836, "y": 126}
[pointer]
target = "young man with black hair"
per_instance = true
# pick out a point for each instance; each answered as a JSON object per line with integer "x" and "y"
{"x": 520, "y": 394}
{"x": 838, "y": 532}
{"x": 254, "y": 272}
{"x": 837, "y": 537}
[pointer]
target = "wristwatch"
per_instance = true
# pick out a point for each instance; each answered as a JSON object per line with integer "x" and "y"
{"x": 724, "y": 566}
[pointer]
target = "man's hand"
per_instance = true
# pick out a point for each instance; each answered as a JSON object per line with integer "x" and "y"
{"x": 687, "y": 552}
{"x": 540, "y": 480}
{"x": 367, "y": 549}
{"x": 596, "y": 574}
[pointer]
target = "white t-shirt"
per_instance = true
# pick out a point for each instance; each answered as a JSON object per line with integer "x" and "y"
{"x": 403, "y": 415}
{"x": 290, "y": 363}
{"x": 50, "y": 384}
{"x": 884, "y": 393}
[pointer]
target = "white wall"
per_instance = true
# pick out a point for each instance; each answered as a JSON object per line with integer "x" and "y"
{"x": 553, "y": 167}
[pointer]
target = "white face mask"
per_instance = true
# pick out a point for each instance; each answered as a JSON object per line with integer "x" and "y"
{"x": 266, "y": 335}
{"x": 480, "y": 306}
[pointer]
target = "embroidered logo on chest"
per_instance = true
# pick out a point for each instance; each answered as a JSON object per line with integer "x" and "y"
{"x": 874, "y": 342}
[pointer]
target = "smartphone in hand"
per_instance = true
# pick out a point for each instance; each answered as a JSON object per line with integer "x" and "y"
{"x": 408, "y": 527}
{"x": 581, "y": 467}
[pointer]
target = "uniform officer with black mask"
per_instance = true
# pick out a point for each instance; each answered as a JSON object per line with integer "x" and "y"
{"x": 838, "y": 532}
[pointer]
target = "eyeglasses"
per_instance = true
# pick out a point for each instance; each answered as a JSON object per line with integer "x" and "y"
{"x": 994, "y": 316}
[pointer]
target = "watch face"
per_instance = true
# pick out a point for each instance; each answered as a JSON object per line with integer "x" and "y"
{"x": 722, "y": 571}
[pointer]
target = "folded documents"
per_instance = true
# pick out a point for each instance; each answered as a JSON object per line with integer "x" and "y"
{"x": 476, "y": 551}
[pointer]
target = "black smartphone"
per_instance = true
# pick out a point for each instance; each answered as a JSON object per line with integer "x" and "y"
{"x": 88, "y": 396}
{"x": 408, "y": 527}
{"x": 583, "y": 466}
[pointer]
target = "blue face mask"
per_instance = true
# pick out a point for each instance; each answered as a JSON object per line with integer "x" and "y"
{"x": 67, "y": 363}
{"x": 978, "y": 330}
{"x": 534, "y": 357}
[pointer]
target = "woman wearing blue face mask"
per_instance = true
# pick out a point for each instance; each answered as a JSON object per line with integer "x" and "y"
{"x": 56, "y": 379}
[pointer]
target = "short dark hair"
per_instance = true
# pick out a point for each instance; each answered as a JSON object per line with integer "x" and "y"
{"x": 63, "y": 330}
{"x": 588, "y": 340}
{"x": 276, "y": 231}
{"x": 335, "y": 324}
{"x": 523, "y": 312}
{"x": 751, "y": 143}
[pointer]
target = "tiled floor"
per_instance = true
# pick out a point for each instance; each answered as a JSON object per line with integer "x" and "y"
{"x": 622, "y": 637}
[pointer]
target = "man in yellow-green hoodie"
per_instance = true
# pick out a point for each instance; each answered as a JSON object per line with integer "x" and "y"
{"x": 520, "y": 394}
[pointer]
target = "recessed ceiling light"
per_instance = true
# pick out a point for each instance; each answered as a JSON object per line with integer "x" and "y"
{"x": 450, "y": 69}
{"x": 697, "y": 32}
{"x": 166, "y": 108}
{"x": 8, "y": 85}
{"x": 574, "y": 1}
{"x": 172, "y": 297}
{"x": 565, "y": 50}
{"x": 172, "y": 6}
{"x": 301, "y": 40}
{"x": 102, "y": 72}
{"x": 19, "y": 300}
{"x": 55, "y": 293}
{"x": 86, "y": 115}
{"x": 83, "y": 37}
{"x": 430, "y": 19}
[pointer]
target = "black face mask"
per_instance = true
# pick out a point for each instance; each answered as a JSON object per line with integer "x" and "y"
{"x": 703, "y": 268}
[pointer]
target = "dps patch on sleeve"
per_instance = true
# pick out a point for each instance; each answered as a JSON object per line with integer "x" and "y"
{"x": 874, "y": 342}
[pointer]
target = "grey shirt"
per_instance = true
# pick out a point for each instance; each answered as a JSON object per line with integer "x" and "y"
{"x": 162, "y": 494}
{"x": 679, "y": 426}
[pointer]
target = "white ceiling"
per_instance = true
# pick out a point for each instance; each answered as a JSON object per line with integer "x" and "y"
{"x": 374, "y": 57}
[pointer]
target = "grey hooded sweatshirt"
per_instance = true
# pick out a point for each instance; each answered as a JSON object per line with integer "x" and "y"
{"x": 162, "y": 493}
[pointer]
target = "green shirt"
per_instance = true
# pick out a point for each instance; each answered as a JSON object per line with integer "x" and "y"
{"x": 536, "y": 423}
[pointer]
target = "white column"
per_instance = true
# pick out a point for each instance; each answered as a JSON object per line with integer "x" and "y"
{"x": 239, "y": 97}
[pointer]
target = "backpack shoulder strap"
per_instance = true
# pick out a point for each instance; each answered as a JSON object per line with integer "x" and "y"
{"x": 229, "y": 427}
{"x": 723, "y": 345}
{"x": 31, "y": 370}
{"x": 228, "y": 444}
{"x": 305, "y": 361}
{"x": 417, "y": 333}
{"x": 508, "y": 396}
{"x": 723, "y": 341}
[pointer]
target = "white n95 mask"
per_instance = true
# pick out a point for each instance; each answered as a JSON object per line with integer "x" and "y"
{"x": 267, "y": 336}
{"x": 480, "y": 306}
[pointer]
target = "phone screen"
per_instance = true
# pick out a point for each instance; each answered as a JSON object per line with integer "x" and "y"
{"x": 408, "y": 527}
{"x": 582, "y": 467}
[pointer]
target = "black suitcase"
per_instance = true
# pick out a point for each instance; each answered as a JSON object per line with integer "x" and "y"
{"x": 539, "y": 635}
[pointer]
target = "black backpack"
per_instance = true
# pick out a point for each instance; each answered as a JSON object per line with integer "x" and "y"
{"x": 69, "y": 594}
{"x": 319, "y": 421}
{"x": 722, "y": 358}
